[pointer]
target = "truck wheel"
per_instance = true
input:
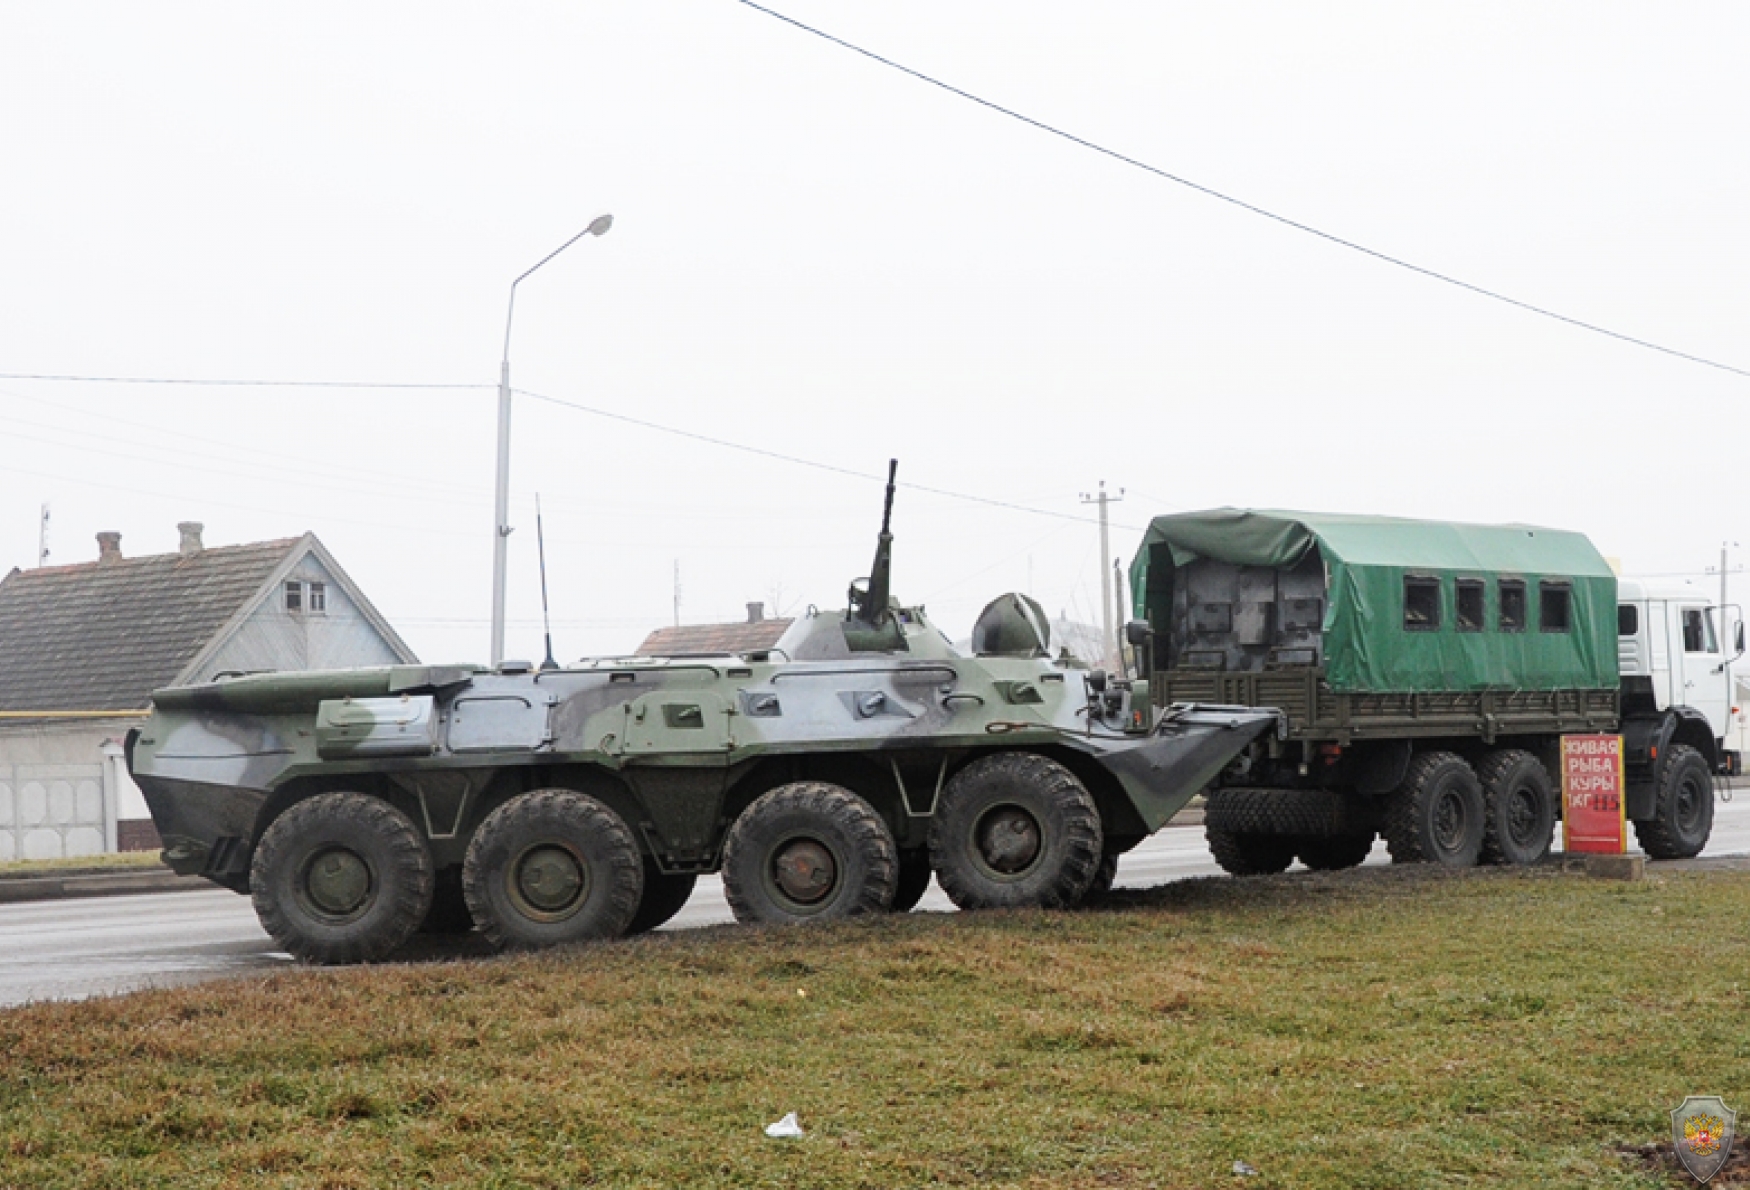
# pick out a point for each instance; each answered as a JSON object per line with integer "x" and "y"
{"x": 664, "y": 896}
{"x": 1519, "y": 808}
{"x": 448, "y": 915}
{"x": 808, "y": 851}
{"x": 1683, "y": 808}
{"x": 1309, "y": 813}
{"x": 1437, "y": 813}
{"x": 914, "y": 881}
{"x": 1247, "y": 853}
{"x": 341, "y": 878}
{"x": 550, "y": 867}
{"x": 1015, "y": 829}
{"x": 1104, "y": 875}
{"x": 1333, "y": 853}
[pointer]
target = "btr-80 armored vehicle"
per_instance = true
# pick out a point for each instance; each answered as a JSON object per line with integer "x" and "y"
{"x": 828, "y": 776}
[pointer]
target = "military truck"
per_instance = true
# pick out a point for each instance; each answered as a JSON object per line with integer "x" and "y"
{"x": 1427, "y": 672}
{"x": 831, "y": 775}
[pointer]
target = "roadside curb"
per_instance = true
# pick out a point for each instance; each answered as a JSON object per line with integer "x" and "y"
{"x": 71, "y": 885}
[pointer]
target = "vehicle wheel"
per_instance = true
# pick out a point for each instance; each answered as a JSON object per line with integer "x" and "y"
{"x": 341, "y": 878}
{"x": 808, "y": 851}
{"x": 1015, "y": 829}
{"x": 914, "y": 881}
{"x": 1245, "y": 853}
{"x": 664, "y": 896}
{"x": 1306, "y": 812}
{"x": 1332, "y": 853}
{"x": 1104, "y": 875}
{"x": 1683, "y": 808}
{"x": 550, "y": 867}
{"x": 1437, "y": 813}
{"x": 448, "y": 914}
{"x": 1519, "y": 808}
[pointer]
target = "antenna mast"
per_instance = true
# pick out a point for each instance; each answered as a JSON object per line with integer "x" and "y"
{"x": 541, "y": 549}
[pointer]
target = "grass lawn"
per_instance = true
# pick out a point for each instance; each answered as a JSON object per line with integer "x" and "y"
{"x": 115, "y": 861}
{"x": 1376, "y": 1028}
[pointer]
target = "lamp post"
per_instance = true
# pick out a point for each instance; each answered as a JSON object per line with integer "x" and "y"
{"x": 501, "y": 502}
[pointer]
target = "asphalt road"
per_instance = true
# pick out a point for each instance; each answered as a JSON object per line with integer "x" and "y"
{"x": 73, "y": 949}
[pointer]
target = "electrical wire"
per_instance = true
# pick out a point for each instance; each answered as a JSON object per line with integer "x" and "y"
{"x": 74, "y": 379}
{"x": 1253, "y": 208}
{"x": 797, "y": 460}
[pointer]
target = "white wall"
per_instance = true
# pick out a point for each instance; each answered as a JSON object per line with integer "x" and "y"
{"x": 62, "y": 790}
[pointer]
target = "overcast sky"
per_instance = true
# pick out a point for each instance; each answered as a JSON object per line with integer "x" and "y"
{"x": 817, "y": 256}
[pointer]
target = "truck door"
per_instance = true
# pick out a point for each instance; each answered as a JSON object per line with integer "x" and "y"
{"x": 1659, "y": 631}
{"x": 1704, "y": 679}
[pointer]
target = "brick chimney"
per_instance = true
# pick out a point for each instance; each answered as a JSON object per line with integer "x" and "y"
{"x": 756, "y": 612}
{"x": 191, "y": 537}
{"x": 109, "y": 547}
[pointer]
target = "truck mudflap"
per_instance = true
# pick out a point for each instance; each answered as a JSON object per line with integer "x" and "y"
{"x": 1189, "y": 747}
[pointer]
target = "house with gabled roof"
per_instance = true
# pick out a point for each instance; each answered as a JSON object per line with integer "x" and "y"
{"x": 83, "y": 647}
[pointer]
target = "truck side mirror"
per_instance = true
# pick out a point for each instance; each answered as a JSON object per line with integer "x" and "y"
{"x": 1738, "y": 638}
{"x": 1137, "y": 633}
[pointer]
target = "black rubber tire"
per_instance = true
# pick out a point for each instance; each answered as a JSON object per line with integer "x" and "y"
{"x": 1308, "y": 813}
{"x": 1519, "y": 808}
{"x": 800, "y": 831}
{"x": 1333, "y": 853}
{"x": 448, "y": 915}
{"x": 1246, "y": 853}
{"x": 370, "y": 850}
{"x": 1104, "y": 875}
{"x": 1015, "y": 797}
{"x": 1683, "y": 807}
{"x": 914, "y": 881}
{"x": 1436, "y": 815}
{"x": 552, "y": 867}
{"x": 664, "y": 896}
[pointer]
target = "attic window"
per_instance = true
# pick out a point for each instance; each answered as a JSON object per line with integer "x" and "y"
{"x": 1421, "y": 604}
{"x": 318, "y": 597}
{"x": 294, "y": 596}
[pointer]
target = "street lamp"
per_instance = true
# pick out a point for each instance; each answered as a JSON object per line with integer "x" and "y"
{"x": 501, "y": 510}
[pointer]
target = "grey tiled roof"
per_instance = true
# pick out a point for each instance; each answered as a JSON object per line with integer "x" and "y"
{"x": 101, "y": 636}
{"x": 713, "y": 640}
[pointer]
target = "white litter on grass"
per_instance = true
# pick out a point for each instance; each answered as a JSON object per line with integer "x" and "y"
{"x": 1244, "y": 1170}
{"x": 785, "y": 1129}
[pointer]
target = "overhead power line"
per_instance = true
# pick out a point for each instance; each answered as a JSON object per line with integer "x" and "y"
{"x": 802, "y": 462}
{"x": 1211, "y": 192}
{"x": 180, "y": 380}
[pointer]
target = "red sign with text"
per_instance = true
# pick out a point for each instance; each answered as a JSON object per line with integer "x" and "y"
{"x": 1593, "y": 812}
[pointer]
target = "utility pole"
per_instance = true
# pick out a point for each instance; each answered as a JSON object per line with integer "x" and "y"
{"x": 1121, "y": 608}
{"x": 1107, "y": 638}
{"x": 501, "y": 528}
{"x": 677, "y": 592}
{"x": 1724, "y": 545}
{"x": 42, "y": 539}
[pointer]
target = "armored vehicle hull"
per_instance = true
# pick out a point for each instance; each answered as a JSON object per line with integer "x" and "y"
{"x": 579, "y": 803}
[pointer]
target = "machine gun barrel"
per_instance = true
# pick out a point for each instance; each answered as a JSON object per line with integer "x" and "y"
{"x": 880, "y": 590}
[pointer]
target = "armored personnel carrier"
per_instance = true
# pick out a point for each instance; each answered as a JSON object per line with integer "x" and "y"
{"x": 828, "y": 776}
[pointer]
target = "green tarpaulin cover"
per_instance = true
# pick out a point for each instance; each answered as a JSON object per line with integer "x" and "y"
{"x": 1366, "y": 559}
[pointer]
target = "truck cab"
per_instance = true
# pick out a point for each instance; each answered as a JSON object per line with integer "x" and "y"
{"x": 1671, "y": 654}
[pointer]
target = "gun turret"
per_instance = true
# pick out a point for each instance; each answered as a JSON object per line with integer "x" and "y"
{"x": 869, "y": 623}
